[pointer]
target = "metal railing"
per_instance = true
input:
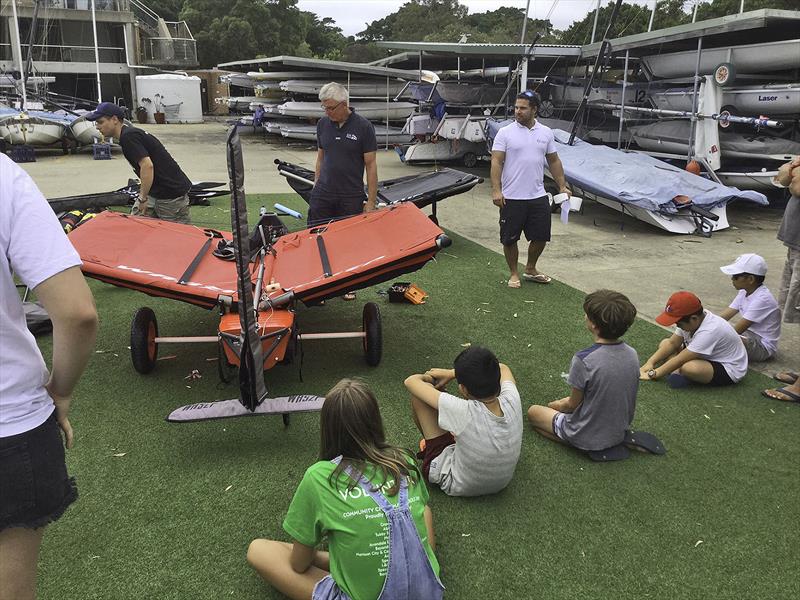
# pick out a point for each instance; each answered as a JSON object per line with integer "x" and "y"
{"x": 146, "y": 17}
{"x": 54, "y": 53}
{"x": 115, "y": 5}
{"x": 169, "y": 51}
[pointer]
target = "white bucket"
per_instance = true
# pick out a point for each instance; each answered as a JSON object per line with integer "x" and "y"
{"x": 559, "y": 198}
{"x": 575, "y": 203}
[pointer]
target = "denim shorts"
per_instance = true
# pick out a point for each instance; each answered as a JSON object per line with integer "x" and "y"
{"x": 34, "y": 486}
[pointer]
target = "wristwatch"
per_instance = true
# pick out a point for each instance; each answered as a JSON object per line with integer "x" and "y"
{"x": 652, "y": 373}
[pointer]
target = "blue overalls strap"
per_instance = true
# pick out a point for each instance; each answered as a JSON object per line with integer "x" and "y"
{"x": 409, "y": 574}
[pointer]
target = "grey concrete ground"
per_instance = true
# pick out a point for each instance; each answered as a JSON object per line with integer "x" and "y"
{"x": 597, "y": 248}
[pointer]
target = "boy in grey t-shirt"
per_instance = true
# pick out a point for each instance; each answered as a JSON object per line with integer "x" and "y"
{"x": 486, "y": 422}
{"x": 604, "y": 378}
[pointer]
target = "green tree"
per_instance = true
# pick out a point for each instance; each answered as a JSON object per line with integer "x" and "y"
{"x": 631, "y": 19}
{"x": 720, "y": 8}
{"x": 323, "y": 38}
{"x": 242, "y": 29}
{"x": 415, "y": 21}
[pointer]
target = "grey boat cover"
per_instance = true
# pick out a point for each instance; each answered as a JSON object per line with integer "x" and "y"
{"x": 634, "y": 178}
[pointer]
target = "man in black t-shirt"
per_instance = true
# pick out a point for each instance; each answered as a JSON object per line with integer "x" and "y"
{"x": 164, "y": 189}
{"x": 346, "y": 147}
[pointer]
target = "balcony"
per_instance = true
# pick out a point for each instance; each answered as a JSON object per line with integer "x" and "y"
{"x": 175, "y": 49}
{"x": 113, "y": 5}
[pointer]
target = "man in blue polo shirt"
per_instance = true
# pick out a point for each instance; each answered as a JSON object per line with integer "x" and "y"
{"x": 346, "y": 147}
{"x": 518, "y": 156}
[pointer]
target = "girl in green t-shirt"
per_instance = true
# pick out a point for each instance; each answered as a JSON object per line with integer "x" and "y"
{"x": 344, "y": 499}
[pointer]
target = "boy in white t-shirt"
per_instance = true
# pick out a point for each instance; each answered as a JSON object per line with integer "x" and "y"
{"x": 704, "y": 349}
{"x": 760, "y": 322}
{"x": 486, "y": 421}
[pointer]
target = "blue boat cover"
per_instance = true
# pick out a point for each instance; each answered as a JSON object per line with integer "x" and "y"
{"x": 635, "y": 178}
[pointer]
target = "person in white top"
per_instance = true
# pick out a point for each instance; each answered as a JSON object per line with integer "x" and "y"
{"x": 760, "y": 322}
{"x": 704, "y": 349}
{"x": 34, "y": 404}
{"x": 519, "y": 153}
{"x": 486, "y": 421}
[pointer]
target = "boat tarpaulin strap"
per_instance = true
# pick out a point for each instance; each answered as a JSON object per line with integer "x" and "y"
{"x": 252, "y": 389}
{"x": 323, "y": 256}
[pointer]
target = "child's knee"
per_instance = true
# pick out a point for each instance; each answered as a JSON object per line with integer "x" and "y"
{"x": 536, "y": 414}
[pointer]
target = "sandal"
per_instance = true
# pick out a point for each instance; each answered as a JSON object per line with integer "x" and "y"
{"x": 788, "y": 396}
{"x": 538, "y": 278}
{"x": 514, "y": 284}
{"x": 787, "y": 377}
{"x": 349, "y": 296}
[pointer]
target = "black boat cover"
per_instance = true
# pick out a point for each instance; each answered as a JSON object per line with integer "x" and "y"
{"x": 423, "y": 189}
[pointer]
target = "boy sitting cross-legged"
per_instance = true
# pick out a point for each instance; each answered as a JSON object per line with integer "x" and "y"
{"x": 472, "y": 444}
{"x": 704, "y": 349}
{"x": 604, "y": 379}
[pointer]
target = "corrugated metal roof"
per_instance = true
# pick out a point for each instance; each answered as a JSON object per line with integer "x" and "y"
{"x": 756, "y": 19}
{"x": 455, "y": 49}
{"x": 317, "y": 64}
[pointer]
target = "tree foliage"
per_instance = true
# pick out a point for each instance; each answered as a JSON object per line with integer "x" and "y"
{"x": 240, "y": 29}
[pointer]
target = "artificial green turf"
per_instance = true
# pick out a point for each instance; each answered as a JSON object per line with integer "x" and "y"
{"x": 717, "y": 517}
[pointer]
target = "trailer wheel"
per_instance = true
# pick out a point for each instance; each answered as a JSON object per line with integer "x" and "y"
{"x": 144, "y": 349}
{"x": 226, "y": 370}
{"x": 724, "y": 74}
{"x": 726, "y": 111}
{"x": 373, "y": 340}
{"x": 546, "y": 109}
{"x": 469, "y": 160}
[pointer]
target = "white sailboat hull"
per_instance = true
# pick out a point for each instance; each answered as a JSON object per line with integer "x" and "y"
{"x": 377, "y": 111}
{"x": 752, "y": 58}
{"x": 774, "y": 99}
{"x": 443, "y": 151}
{"x": 33, "y": 132}
{"x": 84, "y": 132}
{"x": 359, "y": 89}
{"x": 760, "y": 181}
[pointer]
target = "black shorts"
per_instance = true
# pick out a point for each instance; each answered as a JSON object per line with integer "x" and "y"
{"x": 34, "y": 486}
{"x": 324, "y": 208}
{"x": 721, "y": 376}
{"x": 531, "y": 216}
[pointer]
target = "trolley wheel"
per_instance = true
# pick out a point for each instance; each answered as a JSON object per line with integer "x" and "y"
{"x": 226, "y": 370}
{"x": 373, "y": 340}
{"x": 546, "y": 109}
{"x": 726, "y": 111}
{"x": 144, "y": 349}
{"x": 286, "y": 419}
{"x": 469, "y": 160}
{"x": 724, "y": 74}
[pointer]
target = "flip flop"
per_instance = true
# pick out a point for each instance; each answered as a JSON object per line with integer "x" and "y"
{"x": 644, "y": 442}
{"x": 538, "y": 278}
{"x": 792, "y": 397}
{"x": 787, "y": 377}
{"x": 677, "y": 381}
{"x": 514, "y": 284}
{"x": 618, "y": 452}
{"x": 349, "y": 296}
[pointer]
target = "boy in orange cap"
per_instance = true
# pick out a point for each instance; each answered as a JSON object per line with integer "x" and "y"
{"x": 704, "y": 349}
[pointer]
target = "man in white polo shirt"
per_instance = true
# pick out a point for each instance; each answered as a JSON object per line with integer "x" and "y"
{"x": 518, "y": 156}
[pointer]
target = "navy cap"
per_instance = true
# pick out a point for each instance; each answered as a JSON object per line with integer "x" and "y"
{"x": 106, "y": 109}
